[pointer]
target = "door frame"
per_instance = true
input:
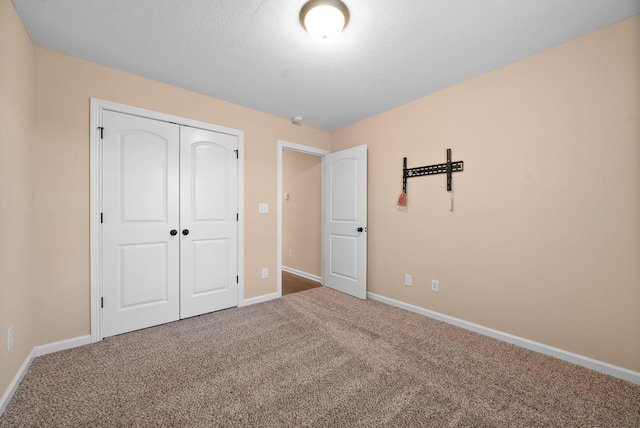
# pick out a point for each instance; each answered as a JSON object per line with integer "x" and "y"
{"x": 95, "y": 195}
{"x": 284, "y": 145}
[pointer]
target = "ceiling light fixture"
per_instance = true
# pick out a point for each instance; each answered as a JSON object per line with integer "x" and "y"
{"x": 324, "y": 19}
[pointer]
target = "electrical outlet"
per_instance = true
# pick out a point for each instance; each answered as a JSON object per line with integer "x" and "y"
{"x": 290, "y": 253}
{"x": 407, "y": 280}
{"x": 10, "y": 338}
{"x": 435, "y": 286}
{"x": 265, "y": 273}
{"x": 263, "y": 208}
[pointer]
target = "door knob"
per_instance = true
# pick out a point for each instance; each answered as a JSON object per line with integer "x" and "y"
{"x": 185, "y": 232}
{"x": 173, "y": 232}
{"x": 360, "y": 229}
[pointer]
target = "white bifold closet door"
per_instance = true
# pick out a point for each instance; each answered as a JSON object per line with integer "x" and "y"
{"x": 169, "y": 227}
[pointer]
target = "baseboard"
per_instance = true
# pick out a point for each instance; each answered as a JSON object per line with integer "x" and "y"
{"x": 580, "y": 360}
{"x": 312, "y": 277}
{"x": 61, "y": 345}
{"x": 259, "y": 299}
{"x": 38, "y": 351}
{"x": 13, "y": 386}
{"x": 267, "y": 297}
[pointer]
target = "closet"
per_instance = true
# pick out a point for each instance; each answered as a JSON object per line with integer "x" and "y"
{"x": 168, "y": 222}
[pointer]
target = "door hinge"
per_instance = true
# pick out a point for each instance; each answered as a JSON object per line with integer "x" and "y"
{"x": 101, "y": 218}
{"x": 102, "y": 302}
{"x": 237, "y": 279}
{"x": 101, "y": 128}
{"x": 237, "y": 216}
{"x": 236, "y": 153}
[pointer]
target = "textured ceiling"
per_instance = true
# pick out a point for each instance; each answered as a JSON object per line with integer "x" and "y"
{"x": 256, "y": 54}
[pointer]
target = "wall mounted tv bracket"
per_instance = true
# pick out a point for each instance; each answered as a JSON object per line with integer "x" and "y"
{"x": 442, "y": 168}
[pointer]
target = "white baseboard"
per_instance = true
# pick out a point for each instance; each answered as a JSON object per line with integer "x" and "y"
{"x": 580, "y": 360}
{"x": 61, "y": 345}
{"x": 259, "y": 299}
{"x": 312, "y": 277}
{"x": 13, "y": 386}
{"x": 38, "y": 351}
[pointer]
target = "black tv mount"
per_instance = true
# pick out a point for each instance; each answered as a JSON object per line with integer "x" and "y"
{"x": 442, "y": 168}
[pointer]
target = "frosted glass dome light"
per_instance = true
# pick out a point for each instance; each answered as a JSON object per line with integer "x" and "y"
{"x": 324, "y": 19}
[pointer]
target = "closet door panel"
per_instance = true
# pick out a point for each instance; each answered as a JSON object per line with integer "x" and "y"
{"x": 209, "y": 182}
{"x": 210, "y": 263}
{"x": 208, "y": 213}
{"x": 140, "y": 270}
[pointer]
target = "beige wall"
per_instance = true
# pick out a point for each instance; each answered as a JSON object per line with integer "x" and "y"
{"x": 302, "y": 213}
{"x": 544, "y": 242}
{"x": 16, "y": 192}
{"x": 61, "y": 223}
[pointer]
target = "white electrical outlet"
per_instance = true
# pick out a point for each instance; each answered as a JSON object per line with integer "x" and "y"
{"x": 263, "y": 208}
{"x": 435, "y": 286}
{"x": 265, "y": 273}
{"x": 407, "y": 280}
{"x": 10, "y": 338}
{"x": 290, "y": 253}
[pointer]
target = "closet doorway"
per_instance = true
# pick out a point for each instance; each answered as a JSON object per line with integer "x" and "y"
{"x": 166, "y": 245}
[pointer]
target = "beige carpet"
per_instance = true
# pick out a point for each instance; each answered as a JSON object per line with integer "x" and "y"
{"x": 315, "y": 358}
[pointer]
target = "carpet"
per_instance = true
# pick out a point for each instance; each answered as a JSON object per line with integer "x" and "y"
{"x": 317, "y": 358}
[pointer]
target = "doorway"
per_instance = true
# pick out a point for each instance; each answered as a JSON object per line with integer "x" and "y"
{"x": 344, "y": 218}
{"x": 301, "y": 221}
{"x": 299, "y": 248}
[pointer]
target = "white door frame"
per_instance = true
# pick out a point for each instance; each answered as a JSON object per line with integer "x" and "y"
{"x": 284, "y": 145}
{"x": 95, "y": 152}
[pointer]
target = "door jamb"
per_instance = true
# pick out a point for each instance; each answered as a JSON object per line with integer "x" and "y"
{"x": 95, "y": 153}
{"x": 284, "y": 145}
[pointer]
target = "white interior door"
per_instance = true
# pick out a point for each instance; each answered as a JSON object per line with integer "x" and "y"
{"x": 140, "y": 264}
{"x": 208, "y": 221}
{"x": 345, "y": 221}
